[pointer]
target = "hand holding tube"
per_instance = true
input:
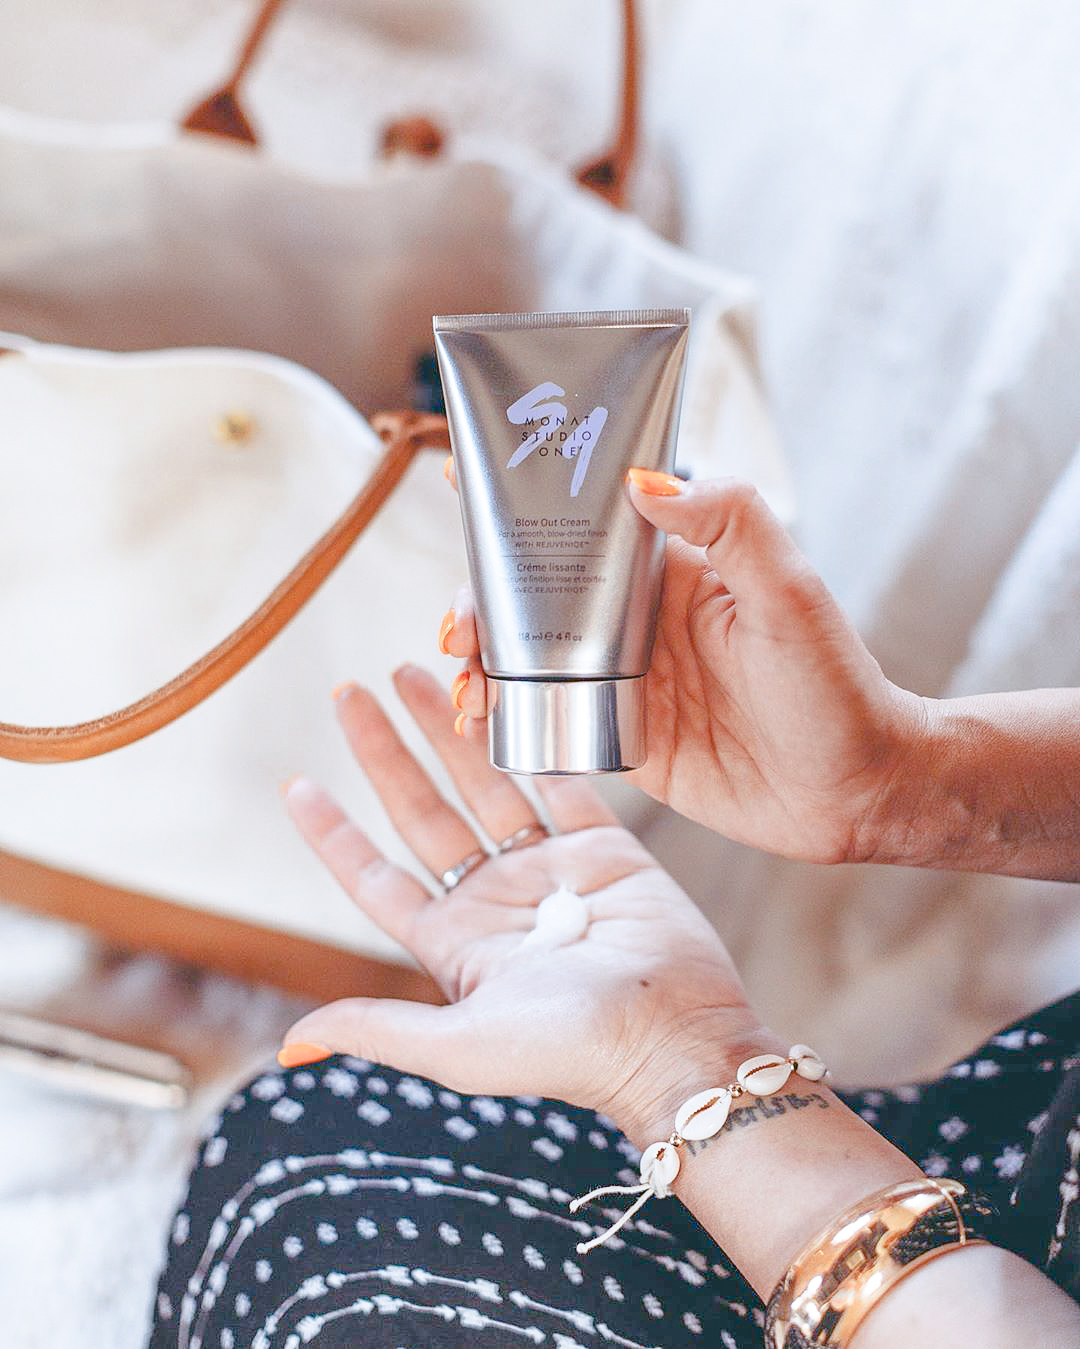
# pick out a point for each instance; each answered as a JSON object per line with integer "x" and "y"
{"x": 768, "y": 719}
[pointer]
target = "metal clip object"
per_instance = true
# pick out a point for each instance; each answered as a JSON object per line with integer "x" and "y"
{"x": 80, "y": 1061}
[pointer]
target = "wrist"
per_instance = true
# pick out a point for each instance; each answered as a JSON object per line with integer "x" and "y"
{"x": 782, "y": 1171}
{"x": 781, "y": 1168}
{"x": 703, "y": 1052}
{"x": 891, "y": 827}
{"x": 977, "y": 788}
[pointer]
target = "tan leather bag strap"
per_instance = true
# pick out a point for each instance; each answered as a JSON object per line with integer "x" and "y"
{"x": 609, "y": 174}
{"x": 405, "y": 434}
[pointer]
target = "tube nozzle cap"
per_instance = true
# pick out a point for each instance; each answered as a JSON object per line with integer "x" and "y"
{"x": 567, "y": 725}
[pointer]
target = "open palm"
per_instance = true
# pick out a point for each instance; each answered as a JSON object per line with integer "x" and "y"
{"x": 581, "y": 1021}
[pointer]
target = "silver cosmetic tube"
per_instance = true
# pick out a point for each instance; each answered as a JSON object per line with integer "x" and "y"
{"x": 546, "y": 413}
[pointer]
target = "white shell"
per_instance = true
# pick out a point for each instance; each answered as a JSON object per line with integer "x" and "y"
{"x": 763, "y": 1074}
{"x": 703, "y": 1115}
{"x": 809, "y": 1065}
{"x": 659, "y": 1166}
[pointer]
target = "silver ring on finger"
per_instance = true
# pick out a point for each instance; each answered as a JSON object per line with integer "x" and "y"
{"x": 524, "y": 837}
{"x": 456, "y": 874}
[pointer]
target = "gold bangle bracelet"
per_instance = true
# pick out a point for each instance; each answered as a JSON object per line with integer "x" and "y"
{"x": 835, "y": 1281}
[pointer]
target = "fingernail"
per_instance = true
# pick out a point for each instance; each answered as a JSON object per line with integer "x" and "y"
{"x": 459, "y": 723}
{"x": 653, "y": 483}
{"x": 448, "y": 468}
{"x": 300, "y": 1052}
{"x": 445, "y": 631}
{"x": 342, "y": 690}
{"x": 457, "y": 688}
{"x": 285, "y": 787}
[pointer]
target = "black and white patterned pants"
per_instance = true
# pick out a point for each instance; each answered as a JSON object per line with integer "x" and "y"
{"x": 346, "y": 1204}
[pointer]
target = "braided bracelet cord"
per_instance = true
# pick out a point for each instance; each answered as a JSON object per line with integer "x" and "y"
{"x": 701, "y": 1116}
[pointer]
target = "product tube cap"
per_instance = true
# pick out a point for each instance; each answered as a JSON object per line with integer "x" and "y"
{"x": 567, "y": 725}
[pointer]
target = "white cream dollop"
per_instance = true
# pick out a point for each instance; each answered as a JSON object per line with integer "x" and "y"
{"x": 561, "y": 918}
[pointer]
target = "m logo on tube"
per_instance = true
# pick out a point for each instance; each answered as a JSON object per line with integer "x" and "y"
{"x": 546, "y": 429}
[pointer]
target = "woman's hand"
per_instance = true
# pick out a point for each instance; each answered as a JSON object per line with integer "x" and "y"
{"x": 612, "y": 1021}
{"x": 768, "y": 719}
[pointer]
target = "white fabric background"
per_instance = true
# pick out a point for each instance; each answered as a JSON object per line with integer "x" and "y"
{"x": 900, "y": 180}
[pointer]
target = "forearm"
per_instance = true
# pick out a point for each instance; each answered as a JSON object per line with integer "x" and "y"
{"x": 982, "y": 1296}
{"x": 992, "y": 784}
{"x": 774, "y": 1178}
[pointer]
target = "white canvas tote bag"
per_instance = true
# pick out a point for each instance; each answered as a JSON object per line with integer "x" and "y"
{"x": 192, "y": 333}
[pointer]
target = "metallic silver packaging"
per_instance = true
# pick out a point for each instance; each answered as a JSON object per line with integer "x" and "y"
{"x": 547, "y": 412}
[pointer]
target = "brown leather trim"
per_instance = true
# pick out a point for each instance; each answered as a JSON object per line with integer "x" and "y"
{"x": 140, "y": 922}
{"x": 407, "y": 433}
{"x": 220, "y": 114}
{"x": 412, "y": 136}
{"x": 610, "y": 174}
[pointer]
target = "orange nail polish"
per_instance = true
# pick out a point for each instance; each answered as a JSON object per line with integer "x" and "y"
{"x": 301, "y": 1052}
{"x": 340, "y": 690}
{"x": 448, "y": 468}
{"x": 458, "y": 687}
{"x": 284, "y": 787}
{"x": 445, "y": 631}
{"x": 655, "y": 484}
{"x": 459, "y": 723}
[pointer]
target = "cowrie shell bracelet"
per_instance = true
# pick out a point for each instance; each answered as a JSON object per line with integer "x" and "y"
{"x": 702, "y": 1116}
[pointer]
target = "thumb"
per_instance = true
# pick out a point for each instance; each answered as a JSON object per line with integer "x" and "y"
{"x": 752, "y": 554}
{"x": 413, "y": 1037}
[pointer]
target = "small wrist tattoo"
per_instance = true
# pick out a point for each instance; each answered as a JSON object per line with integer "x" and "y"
{"x": 763, "y": 1109}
